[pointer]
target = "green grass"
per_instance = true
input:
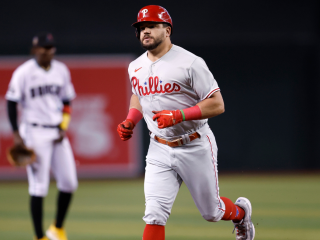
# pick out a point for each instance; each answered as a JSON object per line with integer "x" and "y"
{"x": 284, "y": 207}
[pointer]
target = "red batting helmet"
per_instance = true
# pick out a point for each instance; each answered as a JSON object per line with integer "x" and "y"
{"x": 153, "y": 13}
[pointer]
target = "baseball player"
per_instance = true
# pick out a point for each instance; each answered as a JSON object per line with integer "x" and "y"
{"x": 176, "y": 93}
{"x": 43, "y": 88}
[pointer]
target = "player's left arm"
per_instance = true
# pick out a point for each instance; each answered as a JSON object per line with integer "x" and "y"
{"x": 212, "y": 106}
{"x": 66, "y": 118}
{"x": 208, "y": 91}
{"x": 66, "y": 115}
{"x": 208, "y": 108}
{"x": 67, "y": 94}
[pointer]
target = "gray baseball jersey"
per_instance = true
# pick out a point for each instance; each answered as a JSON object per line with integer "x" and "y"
{"x": 177, "y": 80}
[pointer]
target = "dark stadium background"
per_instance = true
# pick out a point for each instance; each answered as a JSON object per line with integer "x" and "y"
{"x": 265, "y": 56}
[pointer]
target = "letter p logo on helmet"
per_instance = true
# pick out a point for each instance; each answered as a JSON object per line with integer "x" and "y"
{"x": 144, "y": 11}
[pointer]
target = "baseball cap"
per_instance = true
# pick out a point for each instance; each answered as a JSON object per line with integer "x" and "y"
{"x": 43, "y": 39}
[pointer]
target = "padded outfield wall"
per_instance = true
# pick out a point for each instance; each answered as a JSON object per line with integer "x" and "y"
{"x": 103, "y": 93}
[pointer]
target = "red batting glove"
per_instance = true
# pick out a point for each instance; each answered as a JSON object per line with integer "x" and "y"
{"x": 125, "y": 128}
{"x": 167, "y": 118}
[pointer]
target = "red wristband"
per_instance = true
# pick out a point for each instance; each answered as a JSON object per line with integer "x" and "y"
{"x": 192, "y": 113}
{"x": 135, "y": 115}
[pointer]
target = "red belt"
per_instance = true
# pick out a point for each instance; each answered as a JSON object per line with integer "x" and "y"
{"x": 177, "y": 142}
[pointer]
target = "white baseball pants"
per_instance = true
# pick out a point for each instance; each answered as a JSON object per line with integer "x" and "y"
{"x": 195, "y": 164}
{"x": 57, "y": 156}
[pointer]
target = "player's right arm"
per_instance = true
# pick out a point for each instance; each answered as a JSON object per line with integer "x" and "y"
{"x": 134, "y": 103}
{"x": 12, "y": 114}
{"x": 13, "y": 96}
{"x": 134, "y": 116}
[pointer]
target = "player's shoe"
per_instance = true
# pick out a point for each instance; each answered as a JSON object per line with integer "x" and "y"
{"x": 245, "y": 228}
{"x": 54, "y": 233}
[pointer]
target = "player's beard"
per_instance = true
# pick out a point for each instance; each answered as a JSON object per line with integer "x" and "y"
{"x": 154, "y": 45}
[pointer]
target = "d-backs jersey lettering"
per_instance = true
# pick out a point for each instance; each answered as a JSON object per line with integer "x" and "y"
{"x": 41, "y": 92}
{"x": 177, "y": 80}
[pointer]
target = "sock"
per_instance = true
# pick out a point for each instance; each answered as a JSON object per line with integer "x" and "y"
{"x": 36, "y": 214}
{"x": 233, "y": 212}
{"x": 153, "y": 232}
{"x": 63, "y": 203}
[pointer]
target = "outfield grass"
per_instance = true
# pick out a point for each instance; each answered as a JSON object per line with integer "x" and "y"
{"x": 284, "y": 207}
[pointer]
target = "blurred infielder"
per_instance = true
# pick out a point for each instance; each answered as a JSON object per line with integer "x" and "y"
{"x": 43, "y": 88}
{"x": 176, "y": 93}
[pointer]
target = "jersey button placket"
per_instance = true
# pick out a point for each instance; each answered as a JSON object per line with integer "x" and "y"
{"x": 152, "y": 69}
{"x": 147, "y": 80}
{"x": 152, "y": 72}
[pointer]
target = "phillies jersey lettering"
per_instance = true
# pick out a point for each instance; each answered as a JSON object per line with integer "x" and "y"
{"x": 154, "y": 86}
{"x": 177, "y": 80}
{"x": 41, "y": 92}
